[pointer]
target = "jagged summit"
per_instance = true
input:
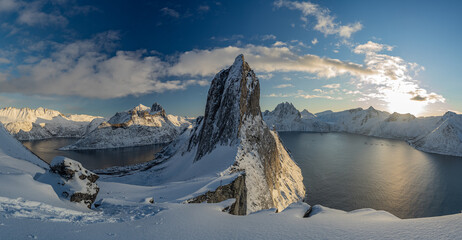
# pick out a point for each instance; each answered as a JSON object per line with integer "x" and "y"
{"x": 232, "y": 141}
{"x": 156, "y": 108}
{"x": 234, "y": 94}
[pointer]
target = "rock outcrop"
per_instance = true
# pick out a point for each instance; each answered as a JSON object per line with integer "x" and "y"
{"x": 138, "y": 126}
{"x": 72, "y": 181}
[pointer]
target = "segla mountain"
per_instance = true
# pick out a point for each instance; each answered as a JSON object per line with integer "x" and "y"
{"x": 138, "y": 126}
{"x": 233, "y": 148}
{"x": 42, "y": 123}
{"x": 441, "y": 134}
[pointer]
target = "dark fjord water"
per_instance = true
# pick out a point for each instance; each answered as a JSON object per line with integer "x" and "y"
{"x": 92, "y": 159}
{"x": 348, "y": 172}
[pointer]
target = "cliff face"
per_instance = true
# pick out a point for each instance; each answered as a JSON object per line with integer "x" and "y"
{"x": 268, "y": 177}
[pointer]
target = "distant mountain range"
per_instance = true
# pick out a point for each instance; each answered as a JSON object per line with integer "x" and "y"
{"x": 138, "y": 126}
{"x": 42, "y": 123}
{"x": 440, "y": 134}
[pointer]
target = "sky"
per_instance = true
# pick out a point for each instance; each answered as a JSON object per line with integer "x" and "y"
{"x": 100, "y": 57}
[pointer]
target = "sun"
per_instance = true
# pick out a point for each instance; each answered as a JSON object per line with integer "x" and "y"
{"x": 403, "y": 104}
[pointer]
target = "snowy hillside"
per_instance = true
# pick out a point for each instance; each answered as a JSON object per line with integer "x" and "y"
{"x": 446, "y": 138}
{"x": 430, "y": 134}
{"x": 138, "y": 126}
{"x": 41, "y": 123}
{"x": 285, "y": 117}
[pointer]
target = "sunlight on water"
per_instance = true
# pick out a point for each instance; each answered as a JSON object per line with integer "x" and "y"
{"x": 348, "y": 172}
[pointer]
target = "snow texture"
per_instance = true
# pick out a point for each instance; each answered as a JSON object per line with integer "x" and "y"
{"x": 138, "y": 126}
{"x": 42, "y": 123}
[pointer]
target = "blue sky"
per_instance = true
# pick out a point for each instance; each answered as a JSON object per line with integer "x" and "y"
{"x": 99, "y": 57}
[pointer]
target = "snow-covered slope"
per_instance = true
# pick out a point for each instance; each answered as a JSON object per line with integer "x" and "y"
{"x": 41, "y": 123}
{"x": 285, "y": 117}
{"x": 138, "y": 126}
{"x": 306, "y": 114}
{"x": 446, "y": 138}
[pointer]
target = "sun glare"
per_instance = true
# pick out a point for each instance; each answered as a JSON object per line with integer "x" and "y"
{"x": 406, "y": 105}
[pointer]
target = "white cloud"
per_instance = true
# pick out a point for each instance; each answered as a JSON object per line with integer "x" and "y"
{"x": 284, "y": 86}
{"x": 262, "y": 59}
{"x": 8, "y": 5}
{"x": 302, "y": 94}
{"x": 314, "y": 41}
{"x": 265, "y": 76}
{"x": 32, "y": 14}
{"x": 325, "y": 22}
{"x": 287, "y": 78}
{"x": 394, "y": 79}
{"x": 371, "y": 47}
{"x": 279, "y": 43}
{"x": 170, "y": 12}
{"x": 83, "y": 68}
{"x": 4, "y": 61}
{"x": 268, "y": 37}
{"x": 334, "y": 85}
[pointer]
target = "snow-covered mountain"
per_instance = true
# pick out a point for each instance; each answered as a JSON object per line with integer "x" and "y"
{"x": 430, "y": 134}
{"x": 138, "y": 126}
{"x": 231, "y": 148}
{"x": 42, "y": 123}
{"x": 285, "y": 117}
{"x": 446, "y": 138}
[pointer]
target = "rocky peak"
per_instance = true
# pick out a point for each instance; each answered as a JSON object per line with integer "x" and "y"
{"x": 156, "y": 108}
{"x": 139, "y": 108}
{"x": 234, "y": 95}
{"x": 306, "y": 114}
{"x": 284, "y": 109}
{"x": 269, "y": 177}
{"x": 449, "y": 114}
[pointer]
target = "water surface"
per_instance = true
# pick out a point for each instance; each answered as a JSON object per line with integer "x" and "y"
{"x": 348, "y": 172}
{"x": 92, "y": 159}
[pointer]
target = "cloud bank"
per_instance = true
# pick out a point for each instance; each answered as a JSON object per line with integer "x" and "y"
{"x": 325, "y": 22}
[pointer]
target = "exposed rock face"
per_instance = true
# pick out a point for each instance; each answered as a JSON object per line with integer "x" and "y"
{"x": 75, "y": 182}
{"x": 269, "y": 177}
{"x": 138, "y": 126}
{"x": 235, "y": 189}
